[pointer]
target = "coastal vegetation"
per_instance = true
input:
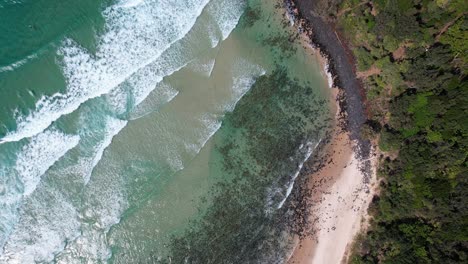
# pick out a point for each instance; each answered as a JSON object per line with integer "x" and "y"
{"x": 412, "y": 58}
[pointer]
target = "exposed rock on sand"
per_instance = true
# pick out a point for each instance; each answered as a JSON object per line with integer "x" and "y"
{"x": 343, "y": 186}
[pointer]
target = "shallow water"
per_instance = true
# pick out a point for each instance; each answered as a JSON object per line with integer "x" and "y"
{"x": 147, "y": 131}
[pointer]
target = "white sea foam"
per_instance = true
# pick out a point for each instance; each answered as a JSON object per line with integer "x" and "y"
{"x": 40, "y": 154}
{"x": 146, "y": 80}
{"x": 130, "y": 3}
{"x": 134, "y": 38}
{"x": 105, "y": 203}
{"x": 143, "y": 82}
{"x": 130, "y": 53}
{"x": 163, "y": 93}
{"x": 118, "y": 99}
{"x": 91, "y": 245}
{"x": 129, "y": 95}
{"x": 309, "y": 152}
{"x": 210, "y": 124}
{"x": 213, "y": 32}
{"x": 32, "y": 161}
{"x": 329, "y": 75}
{"x": 10, "y": 2}
{"x": 9, "y": 195}
{"x": 244, "y": 76}
{"x": 223, "y": 18}
{"x": 46, "y": 223}
{"x": 113, "y": 127}
{"x": 17, "y": 64}
{"x": 102, "y": 203}
{"x": 227, "y": 14}
{"x": 205, "y": 68}
{"x": 140, "y": 85}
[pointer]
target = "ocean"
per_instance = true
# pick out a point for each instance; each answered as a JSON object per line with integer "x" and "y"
{"x": 152, "y": 131}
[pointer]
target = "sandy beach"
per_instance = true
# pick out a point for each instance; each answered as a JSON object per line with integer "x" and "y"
{"x": 343, "y": 187}
{"x": 341, "y": 196}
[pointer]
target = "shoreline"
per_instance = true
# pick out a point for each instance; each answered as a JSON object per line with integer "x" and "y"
{"x": 325, "y": 40}
{"x": 338, "y": 202}
{"x": 343, "y": 184}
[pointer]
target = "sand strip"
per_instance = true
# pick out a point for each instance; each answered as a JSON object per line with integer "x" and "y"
{"x": 344, "y": 186}
{"x": 341, "y": 196}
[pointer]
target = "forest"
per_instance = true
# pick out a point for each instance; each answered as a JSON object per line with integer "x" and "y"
{"x": 412, "y": 59}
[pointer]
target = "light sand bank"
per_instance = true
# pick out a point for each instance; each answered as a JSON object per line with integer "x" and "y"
{"x": 341, "y": 189}
{"x": 341, "y": 196}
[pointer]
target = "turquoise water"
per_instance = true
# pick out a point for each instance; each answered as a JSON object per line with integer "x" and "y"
{"x": 152, "y": 131}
